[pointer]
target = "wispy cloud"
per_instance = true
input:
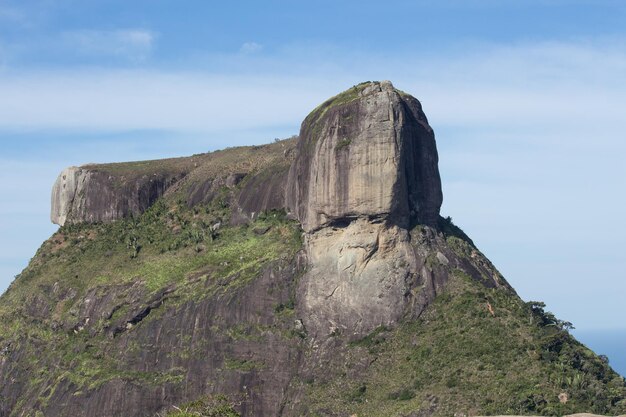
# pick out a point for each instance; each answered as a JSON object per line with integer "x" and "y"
{"x": 133, "y": 44}
{"x": 250, "y": 48}
{"x": 542, "y": 84}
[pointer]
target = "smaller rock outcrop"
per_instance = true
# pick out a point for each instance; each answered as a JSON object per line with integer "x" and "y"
{"x": 358, "y": 278}
{"x": 68, "y": 185}
{"x": 107, "y": 192}
{"x": 91, "y": 194}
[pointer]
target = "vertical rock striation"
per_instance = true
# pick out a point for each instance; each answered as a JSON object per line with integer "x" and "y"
{"x": 368, "y": 152}
{"x": 365, "y": 172}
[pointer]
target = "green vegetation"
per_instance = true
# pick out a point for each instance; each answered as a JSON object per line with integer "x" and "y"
{"x": 450, "y": 229}
{"x": 312, "y": 121}
{"x": 218, "y": 406}
{"x": 372, "y": 341}
{"x": 244, "y": 365}
{"x": 343, "y": 144}
{"x": 464, "y": 358}
{"x": 172, "y": 253}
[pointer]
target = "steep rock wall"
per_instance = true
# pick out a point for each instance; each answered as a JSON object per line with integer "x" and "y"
{"x": 368, "y": 152}
{"x": 365, "y": 172}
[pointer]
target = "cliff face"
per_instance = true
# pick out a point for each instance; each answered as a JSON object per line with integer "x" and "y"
{"x": 312, "y": 276}
{"x": 365, "y": 172}
{"x": 368, "y": 152}
{"x": 90, "y": 195}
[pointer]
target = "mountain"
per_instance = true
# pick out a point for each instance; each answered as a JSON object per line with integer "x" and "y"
{"x": 309, "y": 277}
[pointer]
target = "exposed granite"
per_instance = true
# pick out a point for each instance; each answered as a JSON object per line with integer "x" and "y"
{"x": 362, "y": 180}
{"x": 368, "y": 152}
{"x": 92, "y": 195}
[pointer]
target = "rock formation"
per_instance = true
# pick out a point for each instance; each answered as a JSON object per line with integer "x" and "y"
{"x": 366, "y": 153}
{"x": 307, "y": 277}
{"x": 90, "y": 195}
{"x": 365, "y": 171}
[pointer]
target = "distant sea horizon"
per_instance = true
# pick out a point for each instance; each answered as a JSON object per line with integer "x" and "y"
{"x": 609, "y": 342}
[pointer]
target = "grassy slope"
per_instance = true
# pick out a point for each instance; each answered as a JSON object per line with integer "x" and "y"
{"x": 163, "y": 248}
{"x": 459, "y": 357}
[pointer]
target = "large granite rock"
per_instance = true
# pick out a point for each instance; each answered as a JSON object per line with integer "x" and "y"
{"x": 364, "y": 173}
{"x": 368, "y": 152}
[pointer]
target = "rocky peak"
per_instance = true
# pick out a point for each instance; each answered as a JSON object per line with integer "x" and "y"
{"x": 364, "y": 173}
{"x": 371, "y": 311}
{"x": 367, "y": 152}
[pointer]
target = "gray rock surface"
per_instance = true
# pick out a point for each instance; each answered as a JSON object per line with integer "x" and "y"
{"x": 365, "y": 171}
{"x": 87, "y": 194}
{"x": 358, "y": 278}
{"x": 67, "y": 186}
{"x": 368, "y": 152}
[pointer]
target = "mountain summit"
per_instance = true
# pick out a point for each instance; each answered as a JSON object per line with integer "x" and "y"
{"x": 366, "y": 153}
{"x": 311, "y": 276}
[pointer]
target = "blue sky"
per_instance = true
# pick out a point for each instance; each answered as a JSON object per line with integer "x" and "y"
{"x": 527, "y": 99}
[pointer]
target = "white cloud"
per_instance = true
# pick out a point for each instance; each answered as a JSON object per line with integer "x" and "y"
{"x": 148, "y": 100}
{"x": 134, "y": 44}
{"x": 544, "y": 84}
{"x": 250, "y": 48}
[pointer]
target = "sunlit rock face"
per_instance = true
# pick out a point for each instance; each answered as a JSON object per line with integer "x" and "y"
{"x": 368, "y": 152}
{"x": 365, "y": 172}
{"x": 89, "y": 194}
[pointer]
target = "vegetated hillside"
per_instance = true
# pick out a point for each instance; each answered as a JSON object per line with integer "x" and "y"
{"x": 216, "y": 301}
